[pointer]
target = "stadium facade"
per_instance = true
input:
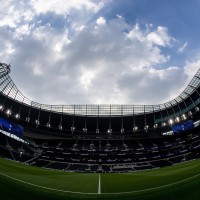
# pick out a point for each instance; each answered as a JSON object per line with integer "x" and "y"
{"x": 105, "y": 138}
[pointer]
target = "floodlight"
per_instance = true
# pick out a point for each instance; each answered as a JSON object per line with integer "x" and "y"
{"x": 27, "y": 119}
{"x": 60, "y": 127}
{"x": 177, "y": 119}
{"x": 72, "y": 128}
{"x": 109, "y": 131}
{"x": 84, "y": 130}
{"x": 97, "y": 130}
{"x": 183, "y": 117}
{"x": 17, "y": 116}
{"x": 1, "y": 107}
{"x": 48, "y": 125}
{"x": 170, "y": 121}
{"x": 8, "y": 112}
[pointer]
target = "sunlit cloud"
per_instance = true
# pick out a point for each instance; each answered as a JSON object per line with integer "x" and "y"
{"x": 72, "y": 53}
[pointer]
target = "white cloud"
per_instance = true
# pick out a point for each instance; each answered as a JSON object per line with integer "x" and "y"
{"x": 64, "y": 7}
{"x": 136, "y": 33}
{"x": 96, "y": 60}
{"x": 37, "y": 71}
{"x": 101, "y": 21}
{"x": 22, "y": 31}
{"x": 86, "y": 79}
{"x": 119, "y": 16}
{"x": 114, "y": 63}
{"x": 191, "y": 67}
{"x": 182, "y": 48}
{"x": 159, "y": 37}
{"x": 13, "y": 13}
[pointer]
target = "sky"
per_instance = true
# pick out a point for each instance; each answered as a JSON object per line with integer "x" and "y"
{"x": 100, "y": 51}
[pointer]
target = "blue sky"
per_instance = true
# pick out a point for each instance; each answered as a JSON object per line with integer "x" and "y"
{"x": 101, "y": 51}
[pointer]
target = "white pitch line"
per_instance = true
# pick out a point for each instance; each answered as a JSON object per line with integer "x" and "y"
{"x": 99, "y": 186}
{"x": 150, "y": 189}
{"x": 43, "y": 187}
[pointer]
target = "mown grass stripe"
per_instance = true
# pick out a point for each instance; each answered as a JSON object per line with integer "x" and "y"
{"x": 47, "y": 188}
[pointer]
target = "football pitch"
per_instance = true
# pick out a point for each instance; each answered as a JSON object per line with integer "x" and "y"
{"x": 18, "y": 181}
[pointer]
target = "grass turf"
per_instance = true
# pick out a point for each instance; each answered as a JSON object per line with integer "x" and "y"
{"x": 177, "y": 182}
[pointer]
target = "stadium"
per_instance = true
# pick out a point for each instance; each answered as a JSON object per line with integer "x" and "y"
{"x": 99, "y": 151}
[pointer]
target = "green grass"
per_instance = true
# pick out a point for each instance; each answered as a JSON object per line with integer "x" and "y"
{"x": 18, "y": 181}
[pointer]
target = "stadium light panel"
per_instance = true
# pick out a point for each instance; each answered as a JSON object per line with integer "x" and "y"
{"x": 197, "y": 109}
{"x": 171, "y": 122}
{"x": 17, "y": 116}
{"x": 135, "y": 128}
{"x": 37, "y": 122}
{"x": 97, "y": 130}
{"x": 27, "y": 119}
{"x": 60, "y": 127}
{"x": 190, "y": 113}
{"x": 84, "y": 130}
{"x": 183, "y": 117}
{"x": 122, "y": 130}
{"x": 177, "y": 119}
{"x": 155, "y": 126}
{"x": 1, "y": 107}
{"x": 146, "y": 127}
{"x": 109, "y": 131}
{"x": 8, "y": 112}
{"x": 48, "y": 125}
{"x": 72, "y": 129}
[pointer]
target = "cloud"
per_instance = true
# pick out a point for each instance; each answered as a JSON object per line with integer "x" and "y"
{"x": 63, "y": 7}
{"x": 152, "y": 86}
{"x": 101, "y": 21}
{"x": 13, "y": 13}
{"x": 191, "y": 67}
{"x": 159, "y": 37}
{"x": 182, "y": 48}
{"x": 59, "y": 56}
